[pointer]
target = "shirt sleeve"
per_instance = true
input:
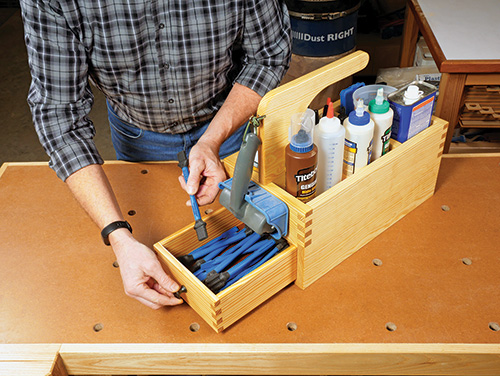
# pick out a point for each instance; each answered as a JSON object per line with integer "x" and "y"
{"x": 59, "y": 96}
{"x": 266, "y": 44}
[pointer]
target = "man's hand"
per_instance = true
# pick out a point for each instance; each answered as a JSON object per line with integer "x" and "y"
{"x": 205, "y": 173}
{"x": 205, "y": 168}
{"x": 142, "y": 275}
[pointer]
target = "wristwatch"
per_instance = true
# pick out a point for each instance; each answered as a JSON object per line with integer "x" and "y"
{"x": 112, "y": 227}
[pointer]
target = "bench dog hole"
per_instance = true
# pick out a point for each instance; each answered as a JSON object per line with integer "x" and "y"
{"x": 115, "y": 264}
{"x": 132, "y": 212}
{"x": 494, "y": 326}
{"x": 291, "y": 326}
{"x": 445, "y": 208}
{"x": 98, "y": 327}
{"x": 194, "y": 327}
{"x": 391, "y": 327}
{"x": 208, "y": 211}
{"x": 377, "y": 262}
{"x": 466, "y": 261}
{"x": 144, "y": 172}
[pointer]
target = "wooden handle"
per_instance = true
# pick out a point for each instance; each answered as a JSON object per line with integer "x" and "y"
{"x": 281, "y": 103}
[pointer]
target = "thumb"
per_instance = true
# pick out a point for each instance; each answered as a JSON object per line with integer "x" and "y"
{"x": 193, "y": 181}
{"x": 164, "y": 280}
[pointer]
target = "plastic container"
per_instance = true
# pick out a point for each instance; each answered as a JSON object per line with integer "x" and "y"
{"x": 301, "y": 159}
{"x": 308, "y": 113}
{"x": 382, "y": 115}
{"x": 358, "y": 140}
{"x": 329, "y": 138}
{"x": 369, "y": 92}
{"x": 323, "y": 28}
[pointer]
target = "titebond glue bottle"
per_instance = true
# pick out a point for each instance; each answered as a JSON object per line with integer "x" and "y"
{"x": 358, "y": 140}
{"x": 301, "y": 157}
{"x": 381, "y": 113}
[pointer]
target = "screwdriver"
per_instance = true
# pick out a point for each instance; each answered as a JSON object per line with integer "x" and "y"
{"x": 200, "y": 226}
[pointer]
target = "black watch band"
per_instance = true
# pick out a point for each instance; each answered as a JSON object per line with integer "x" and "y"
{"x": 112, "y": 227}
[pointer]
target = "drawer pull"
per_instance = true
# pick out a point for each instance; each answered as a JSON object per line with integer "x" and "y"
{"x": 182, "y": 290}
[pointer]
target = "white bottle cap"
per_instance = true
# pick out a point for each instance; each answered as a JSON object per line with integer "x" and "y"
{"x": 412, "y": 94}
{"x": 360, "y": 108}
{"x": 379, "y": 99}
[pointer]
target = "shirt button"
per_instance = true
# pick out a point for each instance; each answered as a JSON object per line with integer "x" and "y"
{"x": 166, "y": 66}
{"x": 161, "y": 26}
{"x": 174, "y": 124}
{"x": 170, "y": 100}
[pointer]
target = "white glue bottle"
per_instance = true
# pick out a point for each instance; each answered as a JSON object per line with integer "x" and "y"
{"x": 381, "y": 114}
{"x": 329, "y": 138}
{"x": 358, "y": 140}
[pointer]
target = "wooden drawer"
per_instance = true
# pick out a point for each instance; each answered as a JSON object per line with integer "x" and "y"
{"x": 229, "y": 305}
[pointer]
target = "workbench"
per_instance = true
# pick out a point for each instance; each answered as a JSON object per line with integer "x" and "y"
{"x": 462, "y": 36}
{"x": 422, "y": 298}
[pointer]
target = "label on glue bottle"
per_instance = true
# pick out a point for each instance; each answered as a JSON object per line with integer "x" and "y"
{"x": 358, "y": 142}
{"x": 306, "y": 183}
{"x": 386, "y": 137}
{"x": 350, "y": 151}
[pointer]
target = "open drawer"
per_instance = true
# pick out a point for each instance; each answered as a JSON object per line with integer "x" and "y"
{"x": 232, "y": 303}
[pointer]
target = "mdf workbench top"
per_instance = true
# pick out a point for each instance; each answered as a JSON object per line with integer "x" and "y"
{"x": 436, "y": 280}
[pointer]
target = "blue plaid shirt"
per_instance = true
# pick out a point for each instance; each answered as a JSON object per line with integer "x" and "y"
{"x": 165, "y": 66}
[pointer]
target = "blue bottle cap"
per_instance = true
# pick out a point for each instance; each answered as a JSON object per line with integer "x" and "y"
{"x": 301, "y": 142}
{"x": 359, "y": 116}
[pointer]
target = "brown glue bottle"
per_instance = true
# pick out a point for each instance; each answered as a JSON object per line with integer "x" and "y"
{"x": 301, "y": 159}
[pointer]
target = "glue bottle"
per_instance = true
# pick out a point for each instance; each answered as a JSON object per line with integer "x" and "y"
{"x": 329, "y": 137}
{"x": 381, "y": 113}
{"x": 358, "y": 140}
{"x": 301, "y": 157}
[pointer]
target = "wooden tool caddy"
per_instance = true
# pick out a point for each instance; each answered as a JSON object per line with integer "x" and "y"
{"x": 326, "y": 230}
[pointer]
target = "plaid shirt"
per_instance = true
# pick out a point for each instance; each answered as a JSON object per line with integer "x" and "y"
{"x": 165, "y": 66}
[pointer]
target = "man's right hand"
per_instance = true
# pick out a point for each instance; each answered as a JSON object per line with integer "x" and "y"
{"x": 142, "y": 274}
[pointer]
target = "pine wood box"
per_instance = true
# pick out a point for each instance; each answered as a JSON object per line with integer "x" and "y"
{"x": 328, "y": 229}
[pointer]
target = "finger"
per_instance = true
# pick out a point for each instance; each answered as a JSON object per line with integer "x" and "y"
{"x": 161, "y": 290}
{"x": 147, "y": 303}
{"x": 182, "y": 182}
{"x": 207, "y": 194}
{"x": 165, "y": 282}
{"x": 206, "y": 199}
{"x": 157, "y": 299}
{"x": 195, "y": 174}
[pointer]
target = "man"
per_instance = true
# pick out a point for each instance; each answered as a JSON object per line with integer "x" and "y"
{"x": 177, "y": 75}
